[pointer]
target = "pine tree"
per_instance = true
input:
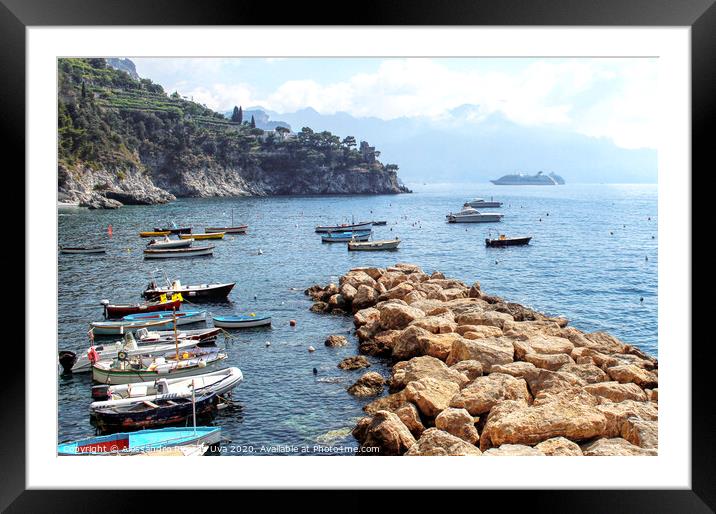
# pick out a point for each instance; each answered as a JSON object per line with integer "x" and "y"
{"x": 84, "y": 90}
{"x": 236, "y": 116}
{"x": 253, "y": 122}
{"x": 241, "y": 115}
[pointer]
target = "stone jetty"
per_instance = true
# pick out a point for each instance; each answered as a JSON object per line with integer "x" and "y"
{"x": 475, "y": 374}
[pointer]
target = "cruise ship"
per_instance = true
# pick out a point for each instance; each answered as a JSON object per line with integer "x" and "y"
{"x": 522, "y": 179}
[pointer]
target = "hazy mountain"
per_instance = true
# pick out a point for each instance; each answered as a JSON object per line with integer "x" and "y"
{"x": 466, "y": 146}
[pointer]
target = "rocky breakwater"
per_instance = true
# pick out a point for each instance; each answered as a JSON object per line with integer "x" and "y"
{"x": 474, "y": 374}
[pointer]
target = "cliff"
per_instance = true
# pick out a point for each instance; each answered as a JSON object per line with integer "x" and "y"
{"x": 123, "y": 140}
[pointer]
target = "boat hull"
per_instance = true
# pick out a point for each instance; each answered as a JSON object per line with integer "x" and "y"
{"x": 179, "y": 253}
{"x": 197, "y": 237}
{"x": 182, "y": 318}
{"x": 109, "y": 376}
{"x": 515, "y": 241}
{"x": 228, "y": 322}
{"x": 202, "y": 292}
{"x": 111, "y": 328}
{"x": 119, "y": 311}
{"x": 164, "y": 245}
{"x": 154, "y": 233}
{"x": 333, "y": 237}
{"x": 475, "y": 218}
{"x": 373, "y": 246}
{"x": 182, "y": 230}
{"x": 338, "y": 228}
{"x": 481, "y": 205}
{"x": 241, "y": 229}
{"x": 143, "y": 441}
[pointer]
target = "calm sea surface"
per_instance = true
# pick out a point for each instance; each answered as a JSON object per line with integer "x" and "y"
{"x": 593, "y": 258}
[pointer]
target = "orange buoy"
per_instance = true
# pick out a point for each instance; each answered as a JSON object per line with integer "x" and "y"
{"x": 292, "y": 322}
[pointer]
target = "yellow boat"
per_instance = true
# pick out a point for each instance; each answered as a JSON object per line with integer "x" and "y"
{"x": 213, "y": 235}
{"x": 154, "y": 233}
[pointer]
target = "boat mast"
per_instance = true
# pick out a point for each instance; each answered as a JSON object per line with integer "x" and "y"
{"x": 176, "y": 339}
{"x": 193, "y": 404}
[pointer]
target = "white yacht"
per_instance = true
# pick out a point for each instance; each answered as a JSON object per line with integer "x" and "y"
{"x": 482, "y": 203}
{"x": 472, "y": 215}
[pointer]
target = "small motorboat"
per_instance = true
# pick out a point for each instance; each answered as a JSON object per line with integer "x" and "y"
{"x": 82, "y": 362}
{"x": 373, "y": 246}
{"x": 119, "y": 327}
{"x": 249, "y": 321}
{"x": 154, "y": 233}
{"x": 471, "y": 215}
{"x": 162, "y": 411}
{"x": 344, "y": 237}
{"x": 161, "y": 244}
{"x": 202, "y": 336}
{"x": 507, "y": 241}
{"x": 198, "y": 292}
{"x": 379, "y": 223}
{"x": 220, "y": 382}
{"x": 241, "y": 229}
{"x": 182, "y": 317}
{"x": 142, "y": 441}
{"x": 173, "y": 253}
{"x": 174, "y": 230}
{"x": 479, "y": 203}
{"x": 116, "y": 311}
{"x": 197, "y": 237}
{"x": 366, "y": 225}
{"x": 145, "y": 369}
{"x": 82, "y": 249}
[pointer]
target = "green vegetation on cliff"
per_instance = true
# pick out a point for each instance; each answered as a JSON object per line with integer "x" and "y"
{"x": 109, "y": 120}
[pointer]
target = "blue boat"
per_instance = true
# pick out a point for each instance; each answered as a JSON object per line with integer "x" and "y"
{"x": 252, "y": 320}
{"x": 132, "y": 443}
{"x": 344, "y": 237}
{"x": 182, "y": 317}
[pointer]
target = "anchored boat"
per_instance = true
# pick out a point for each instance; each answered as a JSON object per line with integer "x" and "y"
{"x": 507, "y": 241}
{"x": 115, "y": 311}
{"x": 162, "y": 244}
{"x": 366, "y": 225}
{"x": 171, "y": 253}
{"x": 154, "y": 233}
{"x": 143, "y": 441}
{"x": 182, "y": 318}
{"x": 202, "y": 336}
{"x": 343, "y": 237}
{"x": 174, "y": 230}
{"x": 119, "y": 327}
{"x": 479, "y": 203}
{"x": 241, "y": 321}
{"x": 198, "y": 292}
{"x": 373, "y": 246}
{"x": 213, "y": 235}
{"x": 470, "y": 215}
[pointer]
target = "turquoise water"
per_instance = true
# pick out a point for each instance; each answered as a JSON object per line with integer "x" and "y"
{"x": 593, "y": 258}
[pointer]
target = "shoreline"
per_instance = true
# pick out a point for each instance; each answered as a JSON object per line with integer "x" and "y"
{"x": 474, "y": 374}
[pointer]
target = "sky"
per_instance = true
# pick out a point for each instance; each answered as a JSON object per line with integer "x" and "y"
{"x": 614, "y": 98}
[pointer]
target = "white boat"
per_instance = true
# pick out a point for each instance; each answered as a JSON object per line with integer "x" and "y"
{"x": 171, "y": 253}
{"x": 182, "y": 317}
{"x": 478, "y": 203}
{"x": 163, "y": 244}
{"x": 82, "y": 362}
{"x": 113, "y": 328}
{"x": 372, "y": 246}
{"x": 366, "y": 225}
{"x": 82, "y": 249}
{"x": 201, "y": 336}
{"x": 241, "y": 321}
{"x": 138, "y": 369}
{"x": 219, "y": 382}
{"x": 471, "y": 215}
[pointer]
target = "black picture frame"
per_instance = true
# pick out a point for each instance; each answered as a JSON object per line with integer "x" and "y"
{"x": 700, "y": 15}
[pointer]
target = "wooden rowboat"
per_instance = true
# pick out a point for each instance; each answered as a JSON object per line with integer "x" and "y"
{"x": 82, "y": 249}
{"x": 170, "y": 253}
{"x": 241, "y": 229}
{"x": 133, "y": 443}
{"x": 154, "y": 233}
{"x": 367, "y": 225}
{"x": 507, "y": 241}
{"x": 372, "y": 246}
{"x": 213, "y": 235}
{"x": 241, "y": 321}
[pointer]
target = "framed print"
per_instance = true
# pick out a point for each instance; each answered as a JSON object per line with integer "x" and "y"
{"x": 442, "y": 233}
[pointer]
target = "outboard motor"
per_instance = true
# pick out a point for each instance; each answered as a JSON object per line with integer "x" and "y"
{"x": 162, "y": 386}
{"x": 100, "y": 393}
{"x": 67, "y": 360}
{"x": 104, "y": 304}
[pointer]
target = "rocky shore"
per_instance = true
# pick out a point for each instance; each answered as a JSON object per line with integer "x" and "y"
{"x": 474, "y": 374}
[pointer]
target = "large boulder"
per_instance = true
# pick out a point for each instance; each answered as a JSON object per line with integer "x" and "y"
{"x": 559, "y": 446}
{"x": 564, "y": 417}
{"x": 386, "y": 432}
{"x": 438, "y": 345}
{"x": 488, "y": 352}
{"x": 485, "y": 392}
{"x": 374, "y": 273}
{"x": 356, "y": 362}
{"x": 390, "y": 402}
{"x": 459, "y": 423}
{"x": 435, "y": 324}
{"x": 640, "y": 432}
{"x": 370, "y": 384}
{"x": 357, "y": 278}
{"x": 616, "y": 392}
{"x": 513, "y": 450}
{"x": 365, "y": 297}
{"x": 408, "y": 343}
{"x": 634, "y": 374}
{"x": 348, "y": 292}
{"x": 490, "y": 318}
{"x": 334, "y": 341}
{"x": 527, "y": 329}
{"x": 590, "y": 373}
{"x": 439, "y": 443}
{"x": 431, "y": 395}
{"x": 518, "y": 369}
{"x": 394, "y": 316}
{"x": 409, "y": 415}
{"x": 543, "y": 344}
{"x": 552, "y": 380}
{"x": 552, "y": 362}
{"x": 398, "y": 292}
{"x": 423, "y": 367}
{"x": 613, "y": 447}
{"x": 618, "y": 413}
{"x": 471, "y": 369}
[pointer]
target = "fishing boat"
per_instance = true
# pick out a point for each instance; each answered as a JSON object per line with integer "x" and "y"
{"x": 479, "y": 203}
{"x": 182, "y": 318}
{"x": 241, "y": 229}
{"x": 142, "y": 441}
{"x": 145, "y": 369}
{"x": 173, "y": 253}
{"x": 471, "y": 215}
{"x": 507, "y": 241}
{"x": 154, "y": 233}
{"x": 366, "y": 225}
{"x": 198, "y": 292}
{"x": 220, "y": 382}
{"x": 116, "y": 311}
{"x": 343, "y": 237}
{"x": 372, "y": 246}
{"x": 249, "y": 321}
{"x": 202, "y": 336}
{"x": 82, "y": 249}
{"x": 119, "y": 327}
{"x": 162, "y": 411}
{"x": 161, "y": 244}
{"x": 174, "y": 230}
{"x": 81, "y": 362}
{"x": 379, "y": 223}
{"x": 213, "y": 235}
